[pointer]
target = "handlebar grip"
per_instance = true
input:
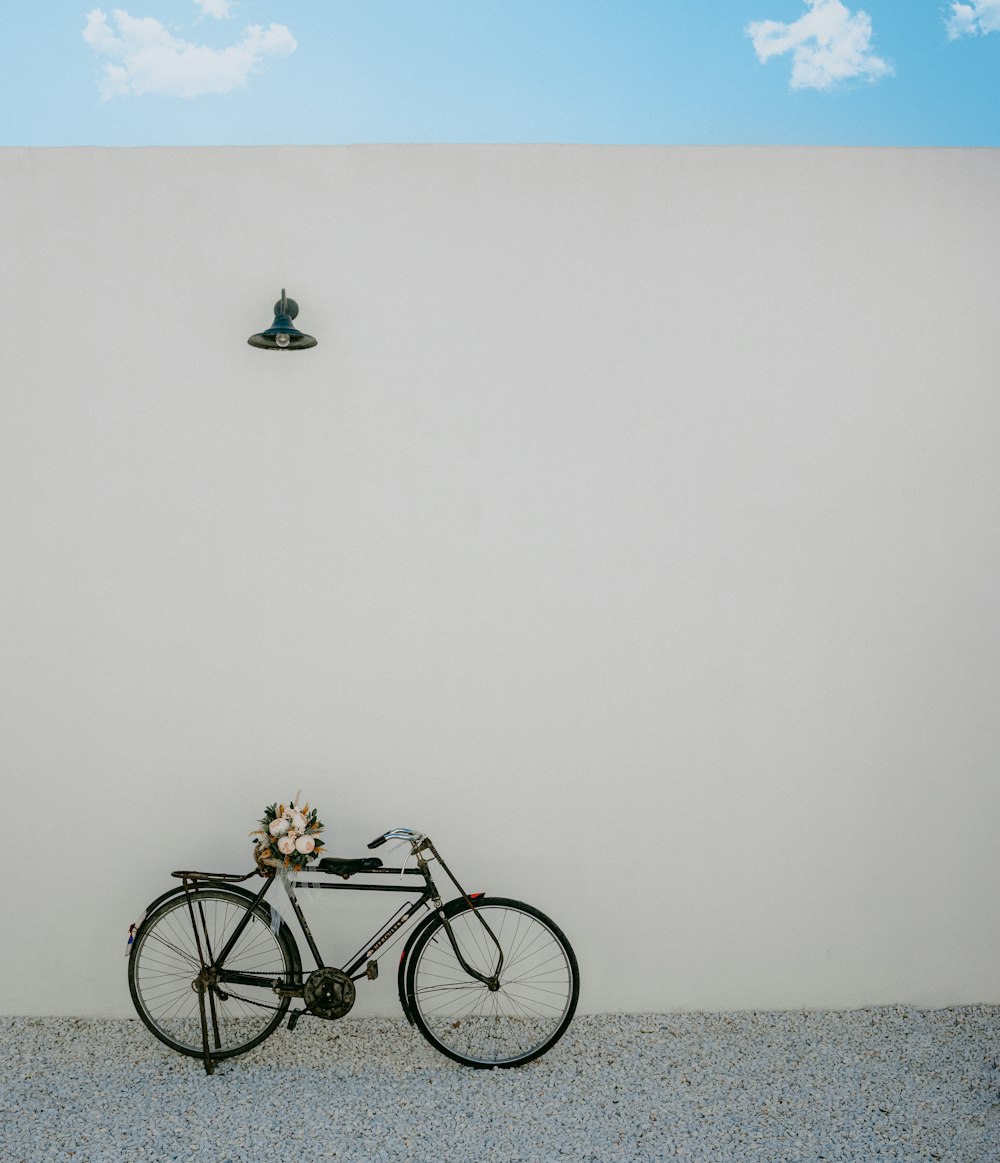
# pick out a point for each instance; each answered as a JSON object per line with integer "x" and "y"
{"x": 377, "y": 842}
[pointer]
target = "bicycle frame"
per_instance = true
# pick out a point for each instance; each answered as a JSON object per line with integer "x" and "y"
{"x": 212, "y": 964}
{"x": 426, "y": 893}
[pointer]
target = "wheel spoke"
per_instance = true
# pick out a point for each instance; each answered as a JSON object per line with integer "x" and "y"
{"x": 165, "y": 963}
{"x": 517, "y": 1021}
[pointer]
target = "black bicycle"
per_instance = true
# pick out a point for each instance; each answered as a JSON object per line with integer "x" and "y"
{"x": 213, "y": 968}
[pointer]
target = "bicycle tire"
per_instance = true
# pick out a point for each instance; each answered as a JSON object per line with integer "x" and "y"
{"x": 531, "y": 1008}
{"x": 164, "y": 963}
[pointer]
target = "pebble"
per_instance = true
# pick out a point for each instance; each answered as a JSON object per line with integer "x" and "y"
{"x": 891, "y": 1083}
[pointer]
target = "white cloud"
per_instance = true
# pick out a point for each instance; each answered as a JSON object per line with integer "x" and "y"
{"x": 828, "y": 44}
{"x": 217, "y": 8}
{"x": 978, "y": 17}
{"x": 147, "y": 58}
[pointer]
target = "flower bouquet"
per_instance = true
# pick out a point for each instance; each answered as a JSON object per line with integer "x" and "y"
{"x": 288, "y": 836}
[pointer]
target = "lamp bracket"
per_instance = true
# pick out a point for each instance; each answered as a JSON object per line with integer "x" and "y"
{"x": 285, "y": 306}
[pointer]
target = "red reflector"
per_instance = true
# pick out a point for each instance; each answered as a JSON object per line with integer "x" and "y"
{"x": 474, "y": 896}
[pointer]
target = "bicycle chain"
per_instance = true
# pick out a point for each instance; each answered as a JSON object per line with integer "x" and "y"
{"x": 250, "y": 1002}
{"x": 247, "y": 1000}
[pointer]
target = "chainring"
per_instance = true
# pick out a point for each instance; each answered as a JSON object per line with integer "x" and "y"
{"x": 328, "y": 993}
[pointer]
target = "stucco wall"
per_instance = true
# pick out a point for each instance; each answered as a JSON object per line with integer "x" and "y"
{"x": 632, "y": 530}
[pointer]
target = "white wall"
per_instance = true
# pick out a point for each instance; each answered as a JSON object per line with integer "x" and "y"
{"x": 632, "y": 530}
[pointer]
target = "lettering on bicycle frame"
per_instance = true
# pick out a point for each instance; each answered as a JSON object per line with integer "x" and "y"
{"x": 387, "y": 934}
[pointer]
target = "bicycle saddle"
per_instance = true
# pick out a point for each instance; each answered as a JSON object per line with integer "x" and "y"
{"x": 346, "y": 866}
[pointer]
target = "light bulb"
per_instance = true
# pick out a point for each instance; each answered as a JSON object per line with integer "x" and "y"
{"x": 282, "y": 340}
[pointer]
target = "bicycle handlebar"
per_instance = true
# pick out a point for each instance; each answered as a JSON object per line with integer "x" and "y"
{"x": 397, "y": 834}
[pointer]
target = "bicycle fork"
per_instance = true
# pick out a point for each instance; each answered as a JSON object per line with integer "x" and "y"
{"x": 492, "y": 982}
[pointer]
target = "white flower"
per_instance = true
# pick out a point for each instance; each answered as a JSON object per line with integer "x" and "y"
{"x": 298, "y": 820}
{"x": 286, "y": 845}
{"x": 278, "y": 827}
{"x": 305, "y": 845}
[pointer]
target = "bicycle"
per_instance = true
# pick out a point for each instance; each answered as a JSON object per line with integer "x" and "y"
{"x": 213, "y": 968}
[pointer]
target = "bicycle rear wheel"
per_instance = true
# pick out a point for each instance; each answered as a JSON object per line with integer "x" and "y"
{"x": 539, "y": 983}
{"x": 164, "y": 964}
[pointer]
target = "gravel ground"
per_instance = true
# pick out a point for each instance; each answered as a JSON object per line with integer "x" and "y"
{"x": 872, "y": 1084}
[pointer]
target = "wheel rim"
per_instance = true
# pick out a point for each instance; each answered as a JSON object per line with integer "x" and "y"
{"x": 166, "y": 964}
{"x": 513, "y": 1023}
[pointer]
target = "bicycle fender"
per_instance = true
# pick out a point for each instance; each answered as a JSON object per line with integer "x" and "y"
{"x": 221, "y": 884}
{"x": 450, "y": 909}
{"x": 224, "y": 886}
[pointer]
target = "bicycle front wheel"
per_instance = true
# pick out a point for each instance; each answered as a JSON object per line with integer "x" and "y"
{"x": 529, "y": 1007}
{"x": 164, "y": 964}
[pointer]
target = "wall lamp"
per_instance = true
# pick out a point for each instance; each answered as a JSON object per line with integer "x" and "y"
{"x": 281, "y": 335}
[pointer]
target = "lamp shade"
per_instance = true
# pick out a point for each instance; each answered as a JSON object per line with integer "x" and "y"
{"x": 282, "y": 335}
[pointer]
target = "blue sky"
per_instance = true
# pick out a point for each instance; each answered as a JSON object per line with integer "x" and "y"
{"x": 261, "y": 72}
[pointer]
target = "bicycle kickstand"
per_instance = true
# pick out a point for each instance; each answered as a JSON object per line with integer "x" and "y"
{"x": 206, "y": 1051}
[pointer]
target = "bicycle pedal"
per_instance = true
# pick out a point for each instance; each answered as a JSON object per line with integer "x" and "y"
{"x": 293, "y": 1018}
{"x": 371, "y": 970}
